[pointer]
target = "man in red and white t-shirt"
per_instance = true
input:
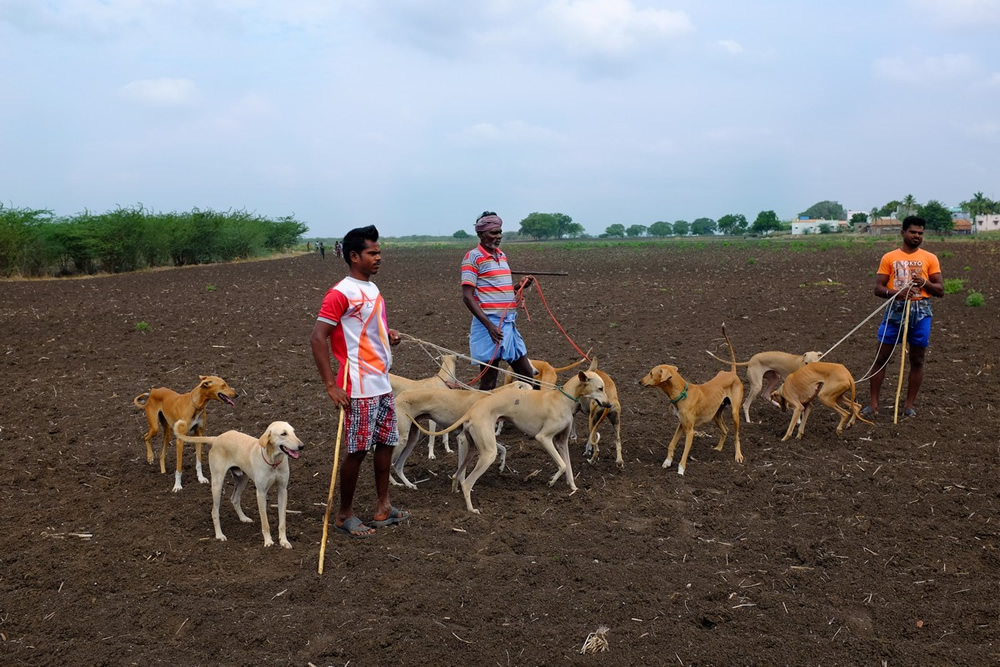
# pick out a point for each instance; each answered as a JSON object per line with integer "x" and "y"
{"x": 352, "y": 323}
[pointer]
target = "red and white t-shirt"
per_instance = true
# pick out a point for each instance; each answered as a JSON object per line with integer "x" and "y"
{"x": 361, "y": 336}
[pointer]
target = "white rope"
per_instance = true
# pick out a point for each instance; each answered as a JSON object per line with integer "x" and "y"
{"x": 444, "y": 350}
{"x": 868, "y": 374}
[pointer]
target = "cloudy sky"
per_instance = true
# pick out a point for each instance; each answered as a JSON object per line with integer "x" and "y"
{"x": 417, "y": 115}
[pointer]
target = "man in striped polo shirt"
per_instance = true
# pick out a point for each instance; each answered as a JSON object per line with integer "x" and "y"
{"x": 488, "y": 293}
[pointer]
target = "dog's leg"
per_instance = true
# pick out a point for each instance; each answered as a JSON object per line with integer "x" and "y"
{"x": 616, "y": 420}
{"x": 805, "y": 418}
{"x": 218, "y": 479}
{"x": 738, "y": 456}
{"x": 796, "y": 413}
{"x": 240, "y": 480}
{"x": 723, "y": 429}
{"x": 197, "y": 454}
{"x": 546, "y": 441}
{"x": 486, "y": 445}
{"x": 562, "y": 440}
{"x": 401, "y": 454}
{"x": 463, "y": 460}
{"x": 688, "y": 440}
{"x": 282, "y": 505}
{"x": 265, "y": 526}
{"x": 431, "y": 426}
{"x": 445, "y": 440}
{"x": 673, "y": 445}
{"x": 844, "y": 414}
{"x": 163, "y": 450}
{"x": 502, "y": 454}
{"x": 180, "y": 464}
{"x": 756, "y": 378}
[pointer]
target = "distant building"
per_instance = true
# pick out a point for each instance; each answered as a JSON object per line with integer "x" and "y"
{"x": 957, "y": 213}
{"x": 987, "y": 223}
{"x": 812, "y": 226}
{"x": 961, "y": 226}
{"x": 880, "y": 226}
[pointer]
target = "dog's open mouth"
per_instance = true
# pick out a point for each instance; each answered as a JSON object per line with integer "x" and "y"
{"x": 226, "y": 399}
{"x": 291, "y": 453}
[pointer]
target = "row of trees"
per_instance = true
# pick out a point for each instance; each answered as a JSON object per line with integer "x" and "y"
{"x": 37, "y": 242}
{"x": 732, "y": 223}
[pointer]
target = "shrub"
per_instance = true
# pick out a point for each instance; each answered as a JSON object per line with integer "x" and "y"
{"x": 975, "y": 299}
{"x": 142, "y": 327}
{"x": 954, "y": 285}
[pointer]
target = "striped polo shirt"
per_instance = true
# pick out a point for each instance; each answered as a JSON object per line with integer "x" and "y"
{"x": 490, "y": 275}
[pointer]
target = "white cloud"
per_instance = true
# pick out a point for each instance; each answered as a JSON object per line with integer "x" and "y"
{"x": 926, "y": 69}
{"x": 163, "y": 92}
{"x": 612, "y": 27}
{"x": 961, "y": 13}
{"x": 730, "y": 46}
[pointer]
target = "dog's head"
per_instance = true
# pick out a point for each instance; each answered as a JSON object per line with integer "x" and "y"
{"x": 811, "y": 357}
{"x": 281, "y": 436}
{"x": 590, "y": 385}
{"x": 214, "y": 387}
{"x": 778, "y": 397}
{"x": 658, "y": 375}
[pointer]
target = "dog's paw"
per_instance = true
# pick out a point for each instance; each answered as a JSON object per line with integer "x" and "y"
{"x": 431, "y": 456}
{"x": 220, "y": 537}
{"x": 286, "y": 544}
{"x": 268, "y": 542}
{"x": 680, "y": 470}
{"x": 177, "y": 487}
{"x": 620, "y": 463}
{"x": 203, "y": 479}
{"x": 246, "y": 519}
{"x": 667, "y": 463}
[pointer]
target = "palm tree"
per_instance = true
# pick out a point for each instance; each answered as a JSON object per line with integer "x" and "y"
{"x": 909, "y": 206}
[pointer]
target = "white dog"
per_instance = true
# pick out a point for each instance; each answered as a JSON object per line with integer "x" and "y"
{"x": 263, "y": 459}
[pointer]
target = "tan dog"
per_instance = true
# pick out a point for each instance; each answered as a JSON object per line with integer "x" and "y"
{"x": 263, "y": 459}
{"x": 443, "y": 380}
{"x": 546, "y": 374}
{"x": 697, "y": 404}
{"x": 771, "y": 366}
{"x": 546, "y": 415}
{"x": 443, "y": 406}
{"x": 165, "y": 407}
{"x": 597, "y": 414}
{"x": 828, "y": 382}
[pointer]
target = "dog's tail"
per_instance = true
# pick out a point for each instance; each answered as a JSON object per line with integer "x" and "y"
{"x": 856, "y": 407}
{"x": 461, "y": 420}
{"x": 181, "y": 429}
{"x": 726, "y": 361}
{"x": 732, "y": 352}
{"x": 575, "y": 363}
{"x": 140, "y": 400}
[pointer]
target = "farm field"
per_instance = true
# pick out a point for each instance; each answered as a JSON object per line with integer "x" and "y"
{"x": 882, "y": 547}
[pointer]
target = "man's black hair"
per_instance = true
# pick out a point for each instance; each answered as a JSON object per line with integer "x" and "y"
{"x": 913, "y": 220}
{"x": 354, "y": 241}
{"x": 484, "y": 214}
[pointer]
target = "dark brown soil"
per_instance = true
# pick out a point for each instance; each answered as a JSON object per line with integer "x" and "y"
{"x": 878, "y": 548}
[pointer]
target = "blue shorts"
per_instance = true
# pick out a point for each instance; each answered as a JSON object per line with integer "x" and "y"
{"x": 918, "y": 334}
{"x": 485, "y": 351}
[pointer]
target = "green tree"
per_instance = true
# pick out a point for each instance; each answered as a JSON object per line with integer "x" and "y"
{"x": 540, "y": 226}
{"x": 732, "y": 223}
{"x": 682, "y": 227}
{"x": 859, "y": 217}
{"x": 825, "y": 210}
{"x": 661, "y": 228}
{"x": 873, "y": 214}
{"x": 636, "y": 230}
{"x": 889, "y": 209}
{"x": 766, "y": 222}
{"x": 703, "y": 227}
{"x": 936, "y": 215}
{"x": 615, "y": 230}
{"x": 461, "y": 234}
{"x": 908, "y": 206}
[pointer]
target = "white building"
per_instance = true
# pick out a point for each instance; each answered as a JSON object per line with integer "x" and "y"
{"x": 801, "y": 227}
{"x": 987, "y": 223}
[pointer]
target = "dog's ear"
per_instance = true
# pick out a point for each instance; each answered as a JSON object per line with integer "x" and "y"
{"x": 593, "y": 364}
{"x": 583, "y": 377}
{"x": 202, "y": 377}
{"x": 779, "y": 398}
{"x": 265, "y": 438}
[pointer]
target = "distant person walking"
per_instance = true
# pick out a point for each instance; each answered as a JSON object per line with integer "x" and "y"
{"x": 338, "y": 248}
{"x": 914, "y": 274}
{"x": 322, "y": 250}
{"x": 488, "y": 293}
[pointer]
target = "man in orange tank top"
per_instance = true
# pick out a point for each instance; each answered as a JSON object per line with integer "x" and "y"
{"x": 908, "y": 273}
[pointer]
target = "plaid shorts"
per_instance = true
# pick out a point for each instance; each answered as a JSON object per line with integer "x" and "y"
{"x": 370, "y": 422}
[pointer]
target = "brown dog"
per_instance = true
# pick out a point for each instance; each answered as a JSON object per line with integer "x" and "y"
{"x": 828, "y": 382}
{"x": 597, "y": 414}
{"x": 699, "y": 403}
{"x": 546, "y": 374}
{"x": 772, "y": 366}
{"x": 165, "y": 406}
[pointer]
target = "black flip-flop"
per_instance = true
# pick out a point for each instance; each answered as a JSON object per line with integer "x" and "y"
{"x": 353, "y": 524}
{"x": 395, "y": 516}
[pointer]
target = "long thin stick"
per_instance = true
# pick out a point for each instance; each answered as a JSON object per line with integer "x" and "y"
{"x": 333, "y": 475}
{"x": 902, "y": 360}
{"x": 539, "y": 273}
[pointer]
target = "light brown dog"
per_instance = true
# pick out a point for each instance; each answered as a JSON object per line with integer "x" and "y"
{"x": 828, "y": 382}
{"x": 597, "y": 414}
{"x": 546, "y": 374}
{"x": 696, "y": 404}
{"x": 164, "y": 407}
{"x": 442, "y": 406}
{"x": 263, "y": 459}
{"x": 546, "y": 415}
{"x": 444, "y": 379}
{"x": 771, "y": 366}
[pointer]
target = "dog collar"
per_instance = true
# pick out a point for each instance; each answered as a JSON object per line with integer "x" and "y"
{"x": 682, "y": 396}
{"x": 273, "y": 465}
{"x": 575, "y": 400}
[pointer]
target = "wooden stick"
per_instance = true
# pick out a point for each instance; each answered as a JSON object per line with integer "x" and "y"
{"x": 539, "y": 273}
{"x": 902, "y": 359}
{"x": 333, "y": 475}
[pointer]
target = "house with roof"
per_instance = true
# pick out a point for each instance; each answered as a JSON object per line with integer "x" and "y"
{"x": 987, "y": 223}
{"x": 816, "y": 226}
{"x": 961, "y": 226}
{"x": 881, "y": 226}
